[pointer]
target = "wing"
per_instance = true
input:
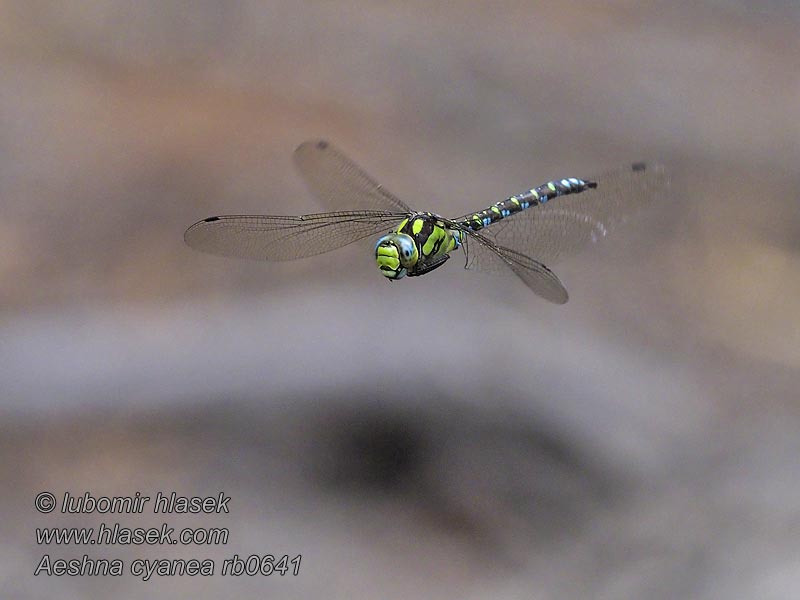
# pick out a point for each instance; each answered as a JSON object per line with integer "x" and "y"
{"x": 286, "y": 238}
{"x": 339, "y": 183}
{"x": 484, "y": 255}
{"x": 567, "y": 224}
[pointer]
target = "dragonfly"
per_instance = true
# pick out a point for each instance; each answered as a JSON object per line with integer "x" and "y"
{"x": 517, "y": 235}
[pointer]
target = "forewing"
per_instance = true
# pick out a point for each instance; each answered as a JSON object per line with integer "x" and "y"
{"x": 285, "y": 238}
{"x": 484, "y": 255}
{"x": 567, "y": 224}
{"x": 339, "y": 183}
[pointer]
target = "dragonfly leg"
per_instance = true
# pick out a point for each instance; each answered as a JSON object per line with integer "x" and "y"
{"x": 428, "y": 267}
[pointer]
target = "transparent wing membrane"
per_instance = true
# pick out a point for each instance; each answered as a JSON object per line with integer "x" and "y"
{"x": 286, "y": 238}
{"x": 566, "y": 224}
{"x": 339, "y": 183}
{"x": 484, "y": 255}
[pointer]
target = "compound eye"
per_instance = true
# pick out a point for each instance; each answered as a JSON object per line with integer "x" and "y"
{"x": 406, "y": 247}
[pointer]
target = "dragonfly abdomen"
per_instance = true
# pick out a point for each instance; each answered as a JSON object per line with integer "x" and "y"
{"x": 540, "y": 195}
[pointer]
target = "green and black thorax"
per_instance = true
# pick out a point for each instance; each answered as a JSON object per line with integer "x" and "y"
{"x": 421, "y": 243}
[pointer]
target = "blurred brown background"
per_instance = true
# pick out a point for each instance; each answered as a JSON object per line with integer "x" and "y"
{"x": 452, "y": 436}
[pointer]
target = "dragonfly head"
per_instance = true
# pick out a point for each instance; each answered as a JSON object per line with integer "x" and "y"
{"x": 395, "y": 254}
